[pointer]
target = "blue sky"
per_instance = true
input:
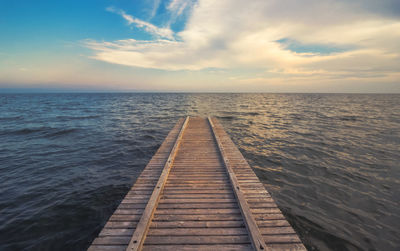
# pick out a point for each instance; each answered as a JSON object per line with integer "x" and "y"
{"x": 28, "y": 25}
{"x": 74, "y": 20}
{"x": 204, "y": 45}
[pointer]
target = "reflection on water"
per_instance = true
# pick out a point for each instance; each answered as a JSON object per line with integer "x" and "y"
{"x": 330, "y": 161}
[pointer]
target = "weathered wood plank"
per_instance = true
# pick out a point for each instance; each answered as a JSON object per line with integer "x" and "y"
{"x": 197, "y": 191}
{"x": 198, "y": 240}
{"x": 265, "y": 210}
{"x": 129, "y": 211}
{"x": 286, "y": 247}
{"x": 197, "y": 231}
{"x": 179, "y": 201}
{"x": 116, "y": 232}
{"x": 117, "y": 217}
{"x": 216, "y": 247}
{"x": 112, "y": 240}
{"x": 107, "y": 248}
{"x": 199, "y": 196}
{"x": 287, "y": 238}
{"x": 200, "y": 224}
{"x": 272, "y": 223}
{"x": 198, "y": 186}
{"x": 197, "y": 211}
{"x": 220, "y": 205}
{"x": 276, "y": 230}
{"x": 121, "y": 224}
{"x": 207, "y": 217}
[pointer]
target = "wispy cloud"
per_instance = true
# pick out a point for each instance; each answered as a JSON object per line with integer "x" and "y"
{"x": 148, "y": 27}
{"x": 177, "y": 7}
{"x": 154, "y": 9}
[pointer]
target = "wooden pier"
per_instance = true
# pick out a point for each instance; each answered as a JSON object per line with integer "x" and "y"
{"x": 197, "y": 193}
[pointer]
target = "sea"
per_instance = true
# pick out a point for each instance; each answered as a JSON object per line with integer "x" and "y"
{"x": 330, "y": 161}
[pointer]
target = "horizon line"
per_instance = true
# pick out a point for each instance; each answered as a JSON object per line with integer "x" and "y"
{"x": 57, "y": 91}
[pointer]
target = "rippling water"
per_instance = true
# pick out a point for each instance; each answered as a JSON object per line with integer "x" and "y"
{"x": 330, "y": 161}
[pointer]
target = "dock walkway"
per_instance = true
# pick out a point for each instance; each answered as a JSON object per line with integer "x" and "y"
{"x": 197, "y": 193}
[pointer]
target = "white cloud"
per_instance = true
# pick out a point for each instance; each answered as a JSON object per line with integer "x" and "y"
{"x": 148, "y": 27}
{"x": 242, "y": 35}
{"x": 176, "y": 7}
{"x": 156, "y": 4}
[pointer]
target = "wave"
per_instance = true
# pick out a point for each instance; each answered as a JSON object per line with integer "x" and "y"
{"x": 78, "y": 117}
{"x": 11, "y": 118}
{"x": 25, "y": 131}
{"x": 347, "y": 118}
{"x": 41, "y": 131}
{"x": 61, "y": 132}
{"x": 226, "y": 117}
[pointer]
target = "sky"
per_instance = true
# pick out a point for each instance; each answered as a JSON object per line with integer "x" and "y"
{"x": 201, "y": 46}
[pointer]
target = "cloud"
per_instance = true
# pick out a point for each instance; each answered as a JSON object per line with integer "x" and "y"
{"x": 154, "y": 9}
{"x": 177, "y": 7}
{"x": 148, "y": 27}
{"x": 237, "y": 35}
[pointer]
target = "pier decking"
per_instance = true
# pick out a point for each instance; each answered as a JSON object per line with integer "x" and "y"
{"x": 197, "y": 193}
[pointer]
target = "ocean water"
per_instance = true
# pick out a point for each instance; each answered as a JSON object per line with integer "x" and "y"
{"x": 331, "y": 161}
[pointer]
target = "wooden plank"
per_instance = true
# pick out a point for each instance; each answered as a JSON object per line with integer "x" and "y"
{"x": 197, "y": 231}
{"x": 116, "y": 217}
{"x": 286, "y": 247}
{"x": 198, "y": 186}
{"x": 116, "y": 232}
{"x": 129, "y": 211}
{"x": 136, "y": 242}
{"x": 112, "y": 240}
{"x": 198, "y": 240}
{"x": 179, "y": 201}
{"x": 261, "y": 204}
{"x": 185, "y": 182}
{"x": 194, "y": 224}
{"x": 121, "y": 224}
{"x": 272, "y": 223}
{"x": 289, "y": 238}
{"x": 199, "y": 196}
{"x": 196, "y": 191}
{"x": 197, "y": 211}
{"x": 135, "y": 200}
{"x": 268, "y": 210}
{"x": 207, "y": 217}
{"x": 216, "y": 247}
{"x": 220, "y": 205}
{"x": 107, "y": 248}
{"x": 276, "y": 230}
{"x": 256, "y": 237}
{"x": 278, "y": 216}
